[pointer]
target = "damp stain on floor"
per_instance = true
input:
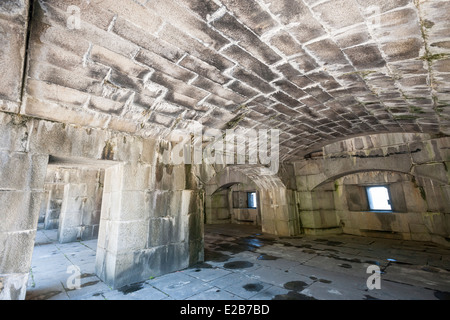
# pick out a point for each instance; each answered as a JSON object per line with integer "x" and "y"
{"x": 369, "y": 297}
{"x": 45, "y": 295}
{"x": 202, "y": 265}
{"x": 131, "y": 288}
{"x": 253, "y": 287}
{"x": 321, "y": 280}
{"x": 215, "y": 256}
{"x": 295, "y": 291}
{"x": 442, "y": 295}
{"x": 295, "y": 285}
{"x": 293, "y": 295}
{"x": 266, "y": 257}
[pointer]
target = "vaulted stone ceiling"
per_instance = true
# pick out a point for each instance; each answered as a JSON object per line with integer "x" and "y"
{"x": 316, "y": 70}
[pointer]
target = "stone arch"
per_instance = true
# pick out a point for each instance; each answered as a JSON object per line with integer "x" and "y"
{"x": 277, "y": 214}
{"x": 337, "y": 168}
{"x": 421, "y": 160}
{"x": 411, "y": 153}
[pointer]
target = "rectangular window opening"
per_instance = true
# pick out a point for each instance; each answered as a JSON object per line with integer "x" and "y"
{"x": 379, "y": 198}
{"x": 251, "y": 200}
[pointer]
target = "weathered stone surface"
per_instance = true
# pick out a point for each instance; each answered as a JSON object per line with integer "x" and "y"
{"x": 141, "y": 37}
{"x": 252, "y": 14}
{"x": 338, "y": 14}
{"x": 383, "y": 5}
{"x": 365, "y": 57}
{"x": 330, "y": 50}
{"x": 14, "y": 8}
{"x": 252, "y": 80}
{"x": 249, "y": 62}
{"x": 98, "y": 80}
{"x": 12, "y": 55}
{"x": 203, "y": 8}
{"x": 13, "y": 286}
{"x": 412, "y": 192}
{"x": 249, "y": 41}
{"x": 179, "y": 17}
{"x": 20, "y": 201}
{"x": 284, "y": 42}
{"x": 242, "y": 89}
{"x": 403, "y": 49}
{"x": 352, "y": 37}
{"x": 191, "y": 46}
{"x": 203, "y": 69}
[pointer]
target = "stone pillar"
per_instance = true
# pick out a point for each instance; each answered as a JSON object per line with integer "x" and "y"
{"x": 90, "y": 220}
{"x": 150, "y": 224}
{"x": 54, "y": 187}
{"x": 20, "y": 171}
{"x": 278, "y": 212}
{"x": 43, "y": 209}
{"x": 70, "y": 219}
{"x": 22, "y": 176}
{"x": 123, "y": 226}
{"x": 53, "y": 207}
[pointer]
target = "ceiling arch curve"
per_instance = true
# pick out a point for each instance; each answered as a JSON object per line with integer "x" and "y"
{"x": 318, "y": 71}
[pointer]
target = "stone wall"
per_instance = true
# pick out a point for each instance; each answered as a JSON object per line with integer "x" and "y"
{"x": 331, "y": 187}
{"x": 85, "y": 216}
{"x": 151, "y": 223}
{"x": 150, "y": 197}
{"x": 408, "y": 221}
{"x": 13, "y": 41}
{"x": 81, "y": 203}
{"x": 52, "y": 204}
{"x": 218, "y": 207}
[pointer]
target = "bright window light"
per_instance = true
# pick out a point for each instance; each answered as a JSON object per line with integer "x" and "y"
{"x": 251, "y": 199}
{"x": 379, "y": 199}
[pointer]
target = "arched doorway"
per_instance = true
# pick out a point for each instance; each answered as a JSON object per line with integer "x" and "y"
{"x": 232, "y": 187}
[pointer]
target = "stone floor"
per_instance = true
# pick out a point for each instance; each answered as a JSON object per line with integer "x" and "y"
{"x": 241, "y": 263}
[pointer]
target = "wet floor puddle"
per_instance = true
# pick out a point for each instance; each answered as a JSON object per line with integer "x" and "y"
{"x": 267, "y": 257}
{"x": 292, "y": 295}
{"x": 253, "y": 287}
{"x": 215, "y": 256}
{"x": 294, "y": 288}
{"x": 295, "y": 285}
